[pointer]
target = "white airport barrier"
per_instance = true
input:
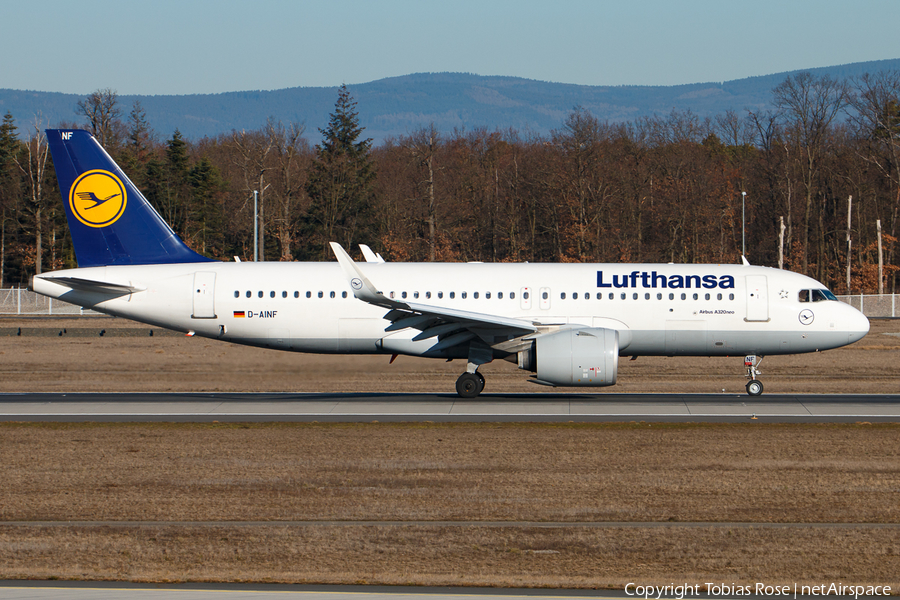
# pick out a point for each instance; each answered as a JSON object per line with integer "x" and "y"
{"x": 19, "y": 301}
{"x": 875, "y": 305}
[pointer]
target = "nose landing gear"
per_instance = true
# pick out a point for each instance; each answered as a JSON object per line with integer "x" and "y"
{"x": 754, "y": 386}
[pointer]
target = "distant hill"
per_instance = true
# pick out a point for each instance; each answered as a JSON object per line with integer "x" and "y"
{"x": 398, "y": 105}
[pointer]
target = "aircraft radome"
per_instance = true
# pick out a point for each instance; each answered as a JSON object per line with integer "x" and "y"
{"x": 568, "y": 324}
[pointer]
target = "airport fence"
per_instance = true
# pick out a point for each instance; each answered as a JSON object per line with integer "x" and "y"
{"x": 885, "y": 306}
{"x": 20, "y": 301}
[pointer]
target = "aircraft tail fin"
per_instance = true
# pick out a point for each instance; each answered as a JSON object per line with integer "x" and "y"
{"x": 110, "y": 220}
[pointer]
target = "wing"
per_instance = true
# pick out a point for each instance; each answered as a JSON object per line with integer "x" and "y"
{"x": 450, "y": 326}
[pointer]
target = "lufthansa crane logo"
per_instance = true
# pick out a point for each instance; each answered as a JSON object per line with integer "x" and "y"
{"x": 97, "y": 198}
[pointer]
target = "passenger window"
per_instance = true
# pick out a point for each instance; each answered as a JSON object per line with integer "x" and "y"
{"x": 683, "y": 296}
{"x": 452, "y": 295}
{"x": 659, "y": 296}
{"x": 249, "y": 293}
{"x": 416, "y": 295}
{"x": 647, "y": 296}
{"x": 707, "y": 296}
{"x": 487, "y": 296}
{"x": 440, "y": 295}
{"x": 612, "y": 296}
{"x": 322, "y": 294}
{"x": 260, "y": 294}
{"x": 332, "y": 294}
{"x": 475, "y": 295}
{"x": 296, "y": 294}
{"x": 562, "y": 296}
{"x": 718, "y": 296}
{"x": 284, "y": 294}
{"x": 574, "y": 295}
{"x": 623, "y": 295}
{"x": 599, "y": 296}
{"x": 272, "y": 294}
{"x": 463, "y": 295}
{"x": 731, "y": 296}
{"x": 237, "y": 294}
{"x": 428, "y": 295}
{"x": 403, "y": 295}
{"x": 671, "y": 296}
{"x": 512, "y": 295}
{"x": 696, "y": 296}
{"x": 309, "y": 294}
{"x": 392, "y": 295}
{"x": 343, "y": 294}
{"x": 525, "y": 295}
{"x": 634, "y": 296}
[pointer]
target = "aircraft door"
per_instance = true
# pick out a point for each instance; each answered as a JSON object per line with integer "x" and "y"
{"x": 204, "y": 295}
{"x": 545, "y": 298}
{"x": 757, "y": 298}
{"x": 525, "y": 298}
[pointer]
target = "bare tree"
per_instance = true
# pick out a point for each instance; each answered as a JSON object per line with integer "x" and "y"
{"x": 809, "y": 105}
{"x": 33, "y": 169}
{"x": 102, "y": 112}
{"x": 290, "y": 151}
{"x": 253, "y": 149}
{"x": 423, "y": 145}
{"x": 876, "y": 116}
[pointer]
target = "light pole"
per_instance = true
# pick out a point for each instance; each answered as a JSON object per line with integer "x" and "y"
{"x": 743, "y": 221}
{"x": 256, "y": 231}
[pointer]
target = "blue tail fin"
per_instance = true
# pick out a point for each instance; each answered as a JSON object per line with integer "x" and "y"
{"x": 110, "y": 220}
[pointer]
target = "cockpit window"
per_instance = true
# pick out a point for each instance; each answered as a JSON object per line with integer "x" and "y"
{"x": 820, "y": 295}
{"x": 816, "y": 295}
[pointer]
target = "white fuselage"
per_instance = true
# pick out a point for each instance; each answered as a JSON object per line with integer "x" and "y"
{"x": 658, "y": 309}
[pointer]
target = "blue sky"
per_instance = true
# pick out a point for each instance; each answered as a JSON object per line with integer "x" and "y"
{"x": 205, "y": 46}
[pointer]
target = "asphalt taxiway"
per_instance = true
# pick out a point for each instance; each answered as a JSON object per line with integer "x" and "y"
{"x": 438, "y": 407}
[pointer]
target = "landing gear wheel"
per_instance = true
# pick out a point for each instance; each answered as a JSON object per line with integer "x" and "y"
{"x": 469, "y": 385}
{"x": 755, "y": 387}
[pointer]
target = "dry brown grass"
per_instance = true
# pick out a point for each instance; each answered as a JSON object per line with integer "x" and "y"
{"x": 178, "y": 363}
{"x": 456, "y": 556}
{"x": 568, "y": 472}
{"x": 626, "y": 472}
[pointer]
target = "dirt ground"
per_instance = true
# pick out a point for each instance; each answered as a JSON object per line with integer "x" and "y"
{"x": 212, "y": 477}
{"x": 127, "y": 358}
{"x": 746, "y": 503}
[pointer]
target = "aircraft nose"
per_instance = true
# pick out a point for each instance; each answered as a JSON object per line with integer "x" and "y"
{"x": 857, "y": 325}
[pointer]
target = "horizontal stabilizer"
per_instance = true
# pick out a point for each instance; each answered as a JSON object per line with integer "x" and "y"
{"x": 90, "y": 285}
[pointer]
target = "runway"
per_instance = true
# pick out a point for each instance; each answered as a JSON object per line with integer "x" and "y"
{"x": 441, "y": 407}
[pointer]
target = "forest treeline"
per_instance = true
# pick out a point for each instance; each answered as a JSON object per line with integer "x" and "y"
{"x": 658, "y": 189}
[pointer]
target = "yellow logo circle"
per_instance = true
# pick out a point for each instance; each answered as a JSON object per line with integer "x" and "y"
{"x": 97, "y": 198}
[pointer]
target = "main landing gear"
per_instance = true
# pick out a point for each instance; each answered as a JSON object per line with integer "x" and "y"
{"x": 469, "y": 385}
{"x": 754, "y": 386}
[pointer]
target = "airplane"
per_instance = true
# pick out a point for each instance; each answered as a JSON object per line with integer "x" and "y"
{"x": 566, "y": 324}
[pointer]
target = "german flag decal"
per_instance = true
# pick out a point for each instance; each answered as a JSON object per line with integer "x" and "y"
{"x": 239, "y": 314}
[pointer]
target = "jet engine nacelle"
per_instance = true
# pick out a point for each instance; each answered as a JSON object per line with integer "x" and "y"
{"x": 578, "y": 357}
